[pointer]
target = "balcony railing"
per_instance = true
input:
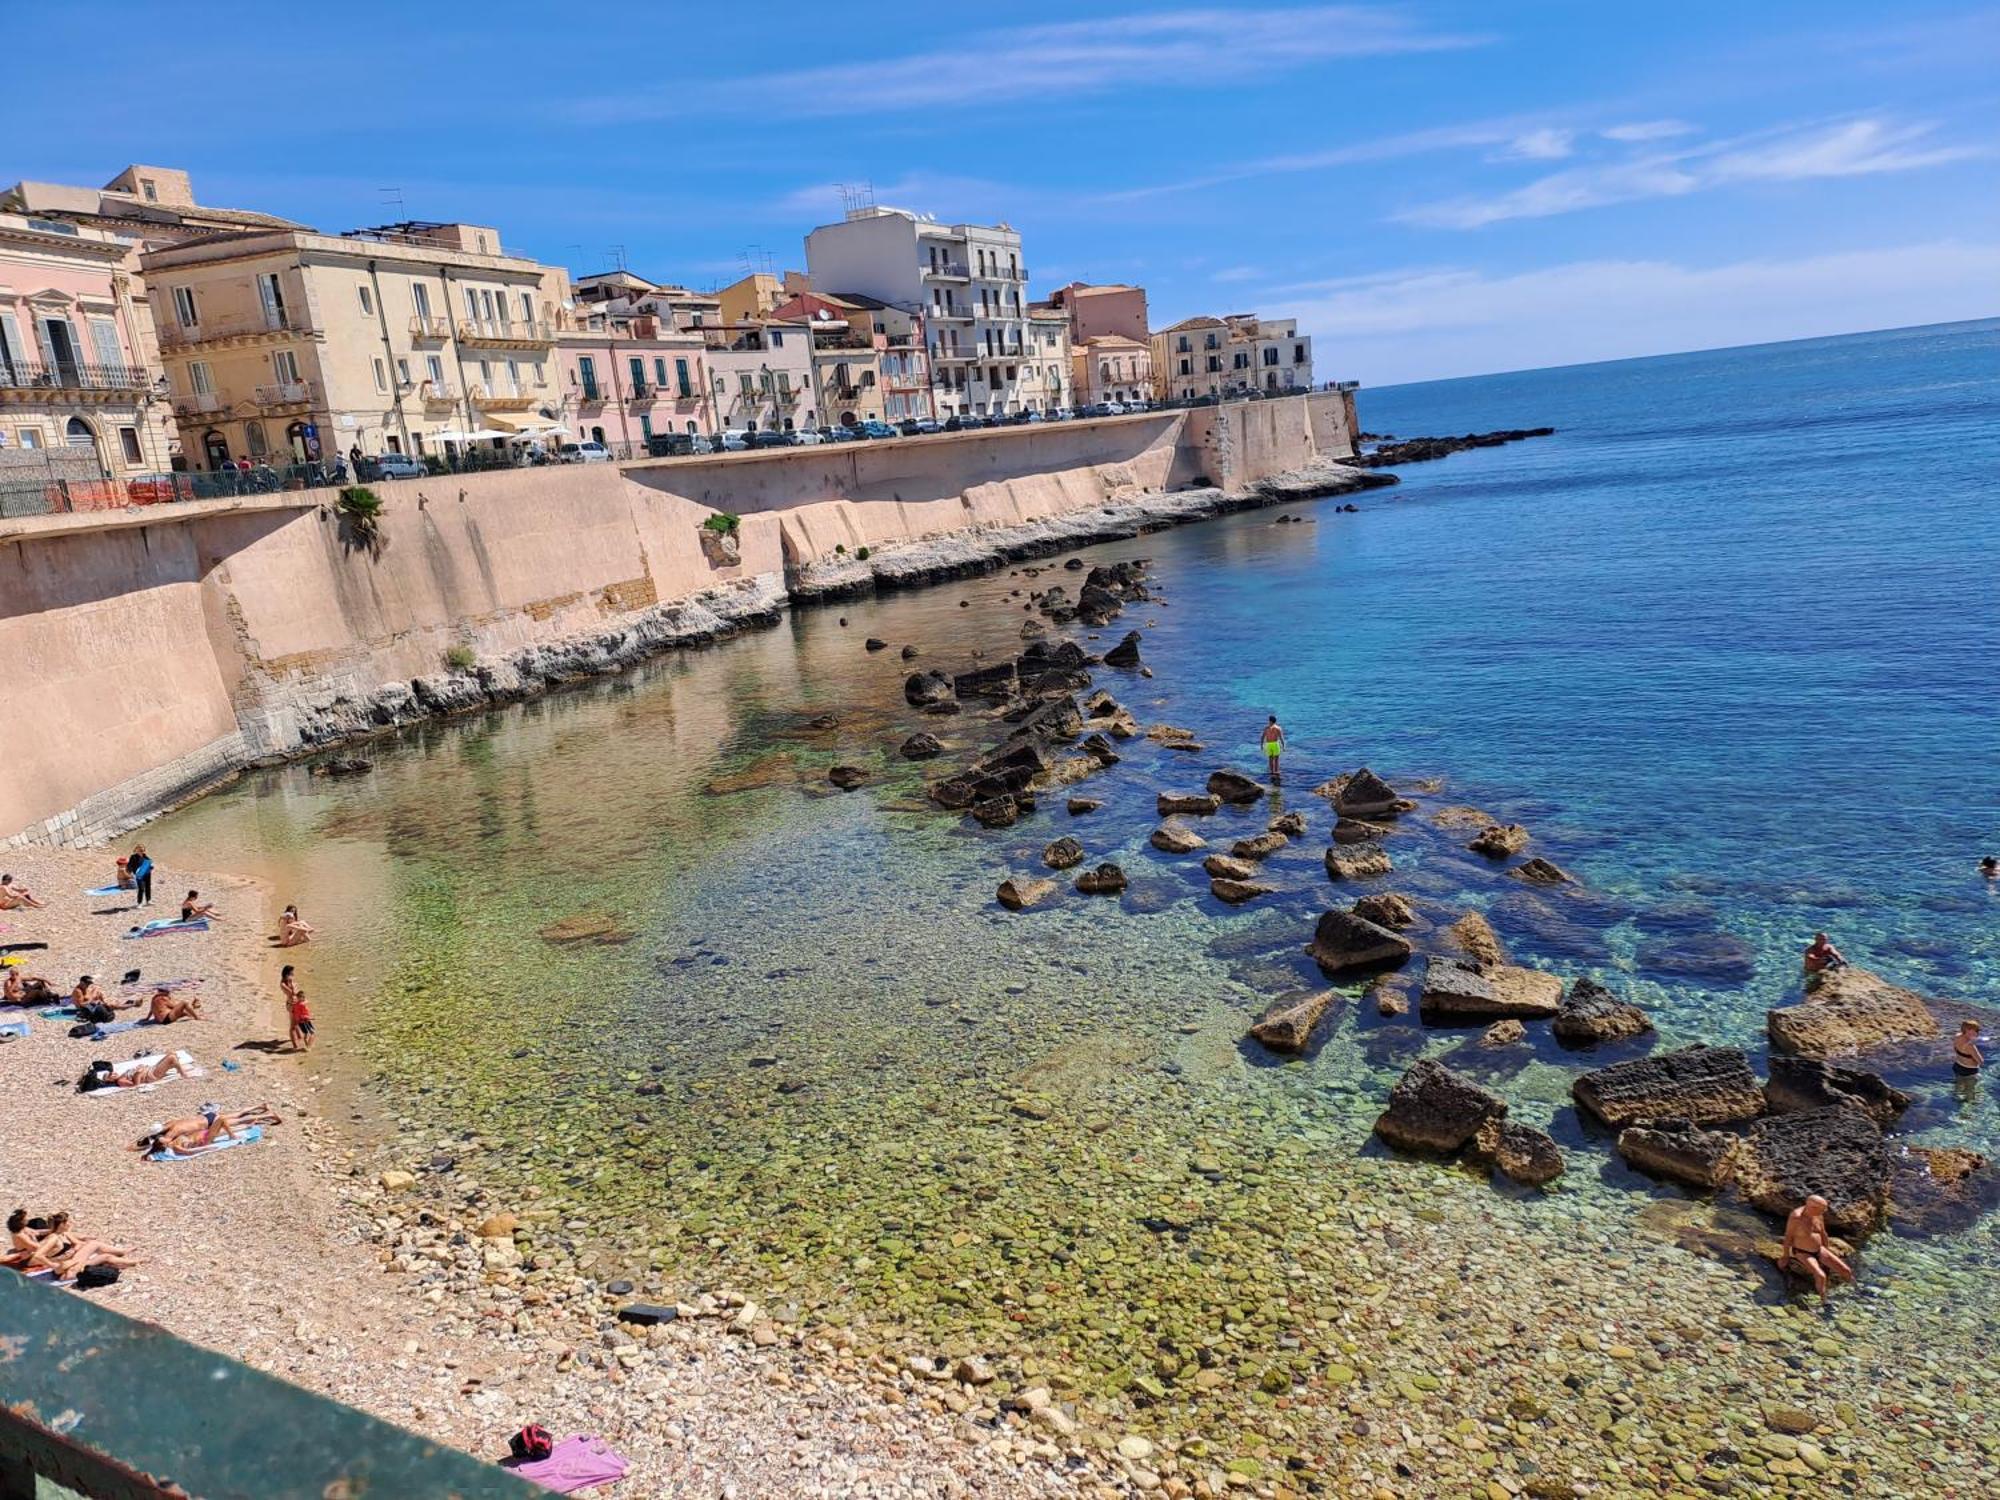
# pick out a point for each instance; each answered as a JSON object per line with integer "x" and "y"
{"x": 957, "y": 270}
{"x": 440, "y": 393}
{"x": 41, "y": 381}
{"x": 288, "y": 393}
{"x": 951, "y": 314}
{"x": 500, "y": 331}
{"x": 257, "y": 326}
{"x": 590, "y": 393}
{"x": 639, "y": 391}
{"x": 200, "y": 403}
{"x": 493, "y": 398}
{"x": 429, "y": 329}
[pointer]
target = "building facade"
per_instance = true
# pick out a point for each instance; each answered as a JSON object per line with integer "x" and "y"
{"x": 290, "y": 346}
{"x": 79, "y": 368}
{"x": 1098, "y": 310}
{"x": 761, "y": 376}
{"x": 1269, "y": 354}
{"x": 1112, "y": 367}
{"x": 627, "y": 381}
{"x": 969, "y": 283}
{"x": 1232, "y": 356}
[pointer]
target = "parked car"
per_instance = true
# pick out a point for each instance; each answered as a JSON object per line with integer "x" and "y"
{"x": 774, "y": 438}
{"x": 967, "y": 421}
{"x": 1060, "y": 414}
{"x": 873, "y": 429}
{"x": 841, "y": 434}
{"x": 807, "y": 437}
{"x": 396, "y": 466}
{"x": 921, "y": 426}
{"x": 735, "y": 440}
{"x": 583, "y": 453}
{"x": 678, "y": 444}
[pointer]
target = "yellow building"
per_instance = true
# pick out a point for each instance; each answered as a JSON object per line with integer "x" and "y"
{"x": 289, "y": 346}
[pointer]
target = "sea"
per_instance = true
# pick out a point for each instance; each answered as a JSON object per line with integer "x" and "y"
{"x": 1725, "y": 643}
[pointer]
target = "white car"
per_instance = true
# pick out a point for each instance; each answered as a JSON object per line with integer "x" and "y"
{"x": 809, "y": 437}
{"x": 583, "y": 453}
{"x": 735, "y": 440}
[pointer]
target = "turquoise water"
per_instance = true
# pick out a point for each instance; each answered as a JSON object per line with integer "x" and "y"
{"x": 1723, "y": 644}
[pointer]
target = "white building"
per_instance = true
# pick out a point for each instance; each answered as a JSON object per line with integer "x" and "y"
{"x": 969, "y": 284}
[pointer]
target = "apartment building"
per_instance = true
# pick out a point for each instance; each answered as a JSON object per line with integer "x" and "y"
{"x": 628, "y": 379}
{"x": 1112, "y": 367}
{"x": 760, "y": 294}
{"x": 146, "y": 206}
{"x": 287, "y": 345}
{"x": 1269, "y": 354}
{"x": 761, "y": 375}
{"x": 1190, "y": 359}
{"x": 846, "y": 357}
{"x": 970, "y": 285}
{"x": 901, "y": 356}
{"x": 1102, "y": 309}
{"x": 1231, "y": 356}
{"x": 79, "y": 367}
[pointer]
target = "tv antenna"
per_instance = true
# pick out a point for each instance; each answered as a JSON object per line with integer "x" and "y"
{"x": 392, "y": 197}
{"x": 857, "y": 199}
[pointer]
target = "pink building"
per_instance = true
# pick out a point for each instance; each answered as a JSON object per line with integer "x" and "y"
{"x": 1107, "y": 310}
{"x": 626, "y": 380}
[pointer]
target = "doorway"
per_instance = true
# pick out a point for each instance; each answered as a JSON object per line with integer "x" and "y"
{"x": 62, "y": 349}
{"x": 215, "y": 449}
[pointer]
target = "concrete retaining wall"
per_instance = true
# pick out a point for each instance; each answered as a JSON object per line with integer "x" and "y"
{"x": 146, "y": 653}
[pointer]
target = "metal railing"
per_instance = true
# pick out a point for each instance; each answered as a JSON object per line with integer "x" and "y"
{"x": 175, "y": 335}
{"x": 32, "y": 375}
{"x": 429, "y": 328}
{"x": 288, "y": 393}
{"x": 439, "y": 393}
{"x": 500, "y": 331}
{"x": 953, "y": 268}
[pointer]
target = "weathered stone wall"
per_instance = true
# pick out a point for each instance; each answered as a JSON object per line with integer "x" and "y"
{"x": 144, "y": 654}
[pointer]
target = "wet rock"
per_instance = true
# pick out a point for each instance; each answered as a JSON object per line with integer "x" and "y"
{"x": 1838, "y": 1153}
{"x": 1679, "y": 1152}
{"x": 1288, "y": 1025}
{"x": 1363, "y": 794}
{"x": 1456, "y": 993}
{"x": 1259, "y": 846}
{"x": 1849, "y": 1011}
{"x": 580, "y": 927}
{"x": 343, "y": 765}
{"x": 1473, "y": 936}
{"x": 873, "y": 644}
{"x": 1003, "y": 811}
{"x": 1499, "y": 840}
{"x": 1591, "y": 1014}
{"x": 847, "y": 778}
{"x": 1121, "y": 726}
{"x": 1392, "y": 998}
{"x": 1234, "y": 786}
{"x": 1539, "y": 871}
{"x": 1177, "y": 838}
{"x": 1062, "y": 853}
{"x": 1432, "y": 1109}
{"x": 1012, "y": 769}
{"x": 1236, "y": 892}
{"x": 1509, "y": 1033}
{"x": 1799, "y": 1083}
{"x": 1940, "y": 1189}
{"x": 1124, "y": 655}
{"x": 990, "y": 683}
{"x": 911, "y": 653}
{"x": 1170, "y": 803}
{"x": 1106, "y": 880}
{"x": 1518, "y": 1152}
{"x": 1228, "y": 867}
{"x": 1387, "y": 909}
{"x": 1046, "y": 719}
{"x": 1713, "y": 957}
{"x": 1343, "y": 942}
{"x": 921, "y": 689}
{"x": 1461, "y": 816}
{"x": 1033, "y": 630}
{"x": 1019, "y": 892}
{"x": 1098, "y": 748}
{"x": 1702, "y": 1085}
{"x": 1292, "y": 825}
{"x": 1078, "y": 806}
{"x": 1357, "y": 862}
{"x": 921, "y": 746}
{"x": 1357, "y": 831}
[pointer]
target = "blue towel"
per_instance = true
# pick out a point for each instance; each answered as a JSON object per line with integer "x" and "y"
{"x": 168, "y": 924}
{"x": 244, "y": 1137}
{"x": 13, "y": 1028}
{"x": 108, "y": 890}
{"x": 59, "y": 1013}
{"x": 116, "y": 1028}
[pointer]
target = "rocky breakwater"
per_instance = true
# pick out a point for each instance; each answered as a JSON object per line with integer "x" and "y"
{"x": 1389, "y": 451}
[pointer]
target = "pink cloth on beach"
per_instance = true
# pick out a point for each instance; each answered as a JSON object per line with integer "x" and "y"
{"x": 576, "y": 1463}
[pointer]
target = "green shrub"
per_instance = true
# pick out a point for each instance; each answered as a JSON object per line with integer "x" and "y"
{"x": 840, "y": 549}
{"x": 361, "y": 509}
{"x": 460, "y": 658}
{"x": 862, "y": 553}
{"x": 725, "y": 522}
{"x": 433, "y": 465}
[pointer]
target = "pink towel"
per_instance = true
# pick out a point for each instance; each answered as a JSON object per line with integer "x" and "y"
{"x": 577, "y": 1463}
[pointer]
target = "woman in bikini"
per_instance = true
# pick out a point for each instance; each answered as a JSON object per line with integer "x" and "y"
{"x": 167, "y": 1007}
{"x": 196, "y": 1132}
{"x": 293, "y": 929}
{"x": 65, "y": 1254}
{"x": 104, "y": 1076}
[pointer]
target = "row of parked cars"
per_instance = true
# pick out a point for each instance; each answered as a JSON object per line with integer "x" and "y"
{"x": 682, "y": 444}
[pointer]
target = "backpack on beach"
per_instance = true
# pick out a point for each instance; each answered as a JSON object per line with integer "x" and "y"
{"x": 531, "y": 1442}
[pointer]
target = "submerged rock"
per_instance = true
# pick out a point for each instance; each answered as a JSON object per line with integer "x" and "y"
{"x": 1508, "y": 1033}
{"x": 1003, "y": 811}
{"x": 1800, "y": 1083}
{"x": 1357, "y": 862}
{"x": 1228, "y": 867}
{"x": 1357, "y": 831}
{"x": 922, "y": 688}
{"x": 1460, "y": 993}
{"x": 1432, "y": 1109}
{"x": 1018, "y": 892}
{"x": 1499, "y": 840}
{"x": 1062, "y": 853}
{"x": 1940, "y": 1189}
{"x": 921, "y": 746}
{"x": 1343, "y": 942}
{"x": 1850, "y": 1010}
{"x": 1591, "y": 1014}
{"x": 1259, "y": 846}
{"x": 1679, "y": 1152}
{"x": 1292, "y": 825}
{"x": 1106, "y": 880}
{"x": 1539, "y": 871}
{"x": 1700, "y": 1084}
{"x": 847, "y": 778}
{"x": 1170, "y": 803}
{"x": 1838, "y": 1153}
{"x": 1234, "y": 786}
{"x": 1288, "y": 1025}
{"x": 1473, "y": 936}
{"x": 1714, "y": 957}
{"x": 1078, "y": 806}
{"x": 1386, "y": 909}
{"x": 1518, "y": 1152}
{"x": 1177, "y": 838}
{"x": 582, "y": 926}
{"x": 1236, "y": 892}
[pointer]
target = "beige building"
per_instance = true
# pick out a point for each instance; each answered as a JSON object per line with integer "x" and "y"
{"x": 1112, "y": 367}
{"x": 1099, "y": 308}
{"x": 761, "y": 375}
{"x": 289, "y": 346}
{"x": 1231, "y": 356}
{"x": 760, "y": 294}
{"x": 151, "y": 206}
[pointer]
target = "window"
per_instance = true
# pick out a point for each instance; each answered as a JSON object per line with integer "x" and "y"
{"x": 436, "y": 368}
{"x": 660, "y": 372}
{"x": 185, "y": 312}
{"x": 128, "y": 440}
{"x": 1271, "y": 355}
{"x": 420, "y": 299}
{"x": 486, "y": 300}
{"x": 403, "y": 372}
{"x": 150, "y": 188}
{"x": 272, "y": 296}
{"x": 541, "y": 378}
{"x": 1185, "y": 364}
{"x": 1215, "y": 361}
{"x": 31, "y": 437}
{"x": 777, "y": 339}
{"x": 381, "y": 377}
{"x": 285, "y": 366}
{"x": 586, "y": 375}
{"x": 513, "y": 377}
{"x": 1181, "y": 345}
{"x": 645, "y": 424}
{"x": 367, "y": 299}
{"x": 1298, "y": 354}
{"x": 485, "y": 375}
{"x": 527, "y": 308}
{"x": 472, "y": 304}
{"x": 482, "y": 243}
{"x": 749, "y": 383}
{"x": 637, "y": 367}
{"x": 200, "y": 380}
{"x": 104, "y": 343}
{"x": 681, "y": 378}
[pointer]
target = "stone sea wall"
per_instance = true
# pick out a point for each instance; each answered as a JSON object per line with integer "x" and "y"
{"x": 147, "y": 654}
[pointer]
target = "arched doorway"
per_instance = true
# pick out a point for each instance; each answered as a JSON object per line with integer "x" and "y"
{"x": 253, "y": 438}
{"x": 77, "y": 435}
{"x": 295, "y": 439}
{"x": 215, "y": 450}
{"x": 597, "y": 434}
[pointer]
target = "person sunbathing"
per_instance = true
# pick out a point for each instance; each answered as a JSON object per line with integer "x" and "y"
{"x": 193, "y": 908}
{"x": 14, "y": 895}
{"x": 196, "y": 1132}
{"x": 167, "y": 1007}
{"x": 13, "y": 989}
{"x": 24, "y": 1238}
{"x": 293, "y": 929}
{"x": 88, "y": 992}
{"x": 65, "y": 1254}
{"x": 104, "y": 1075}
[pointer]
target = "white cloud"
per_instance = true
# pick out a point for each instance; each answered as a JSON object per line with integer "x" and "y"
{"x": 1076, "y": 58}
{"x": 1430, "y": 323}
{"x": 1848, "y": 148}
{"x": 1546, "y": 144}
{"x": 1238, "y": 274}
{"x": 1648, "y": 130}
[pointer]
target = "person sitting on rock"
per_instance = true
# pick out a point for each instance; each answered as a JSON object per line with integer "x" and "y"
{"x": 1807, "y": 1248}
{"x": 14, "y": 895}
{"x": 1822, "y": 956}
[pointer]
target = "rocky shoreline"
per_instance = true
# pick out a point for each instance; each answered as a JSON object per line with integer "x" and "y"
{"x": 1389, "y": 452}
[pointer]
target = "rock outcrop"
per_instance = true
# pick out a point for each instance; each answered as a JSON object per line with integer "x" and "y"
{"x": 920, "y": 746}
{"x": 847, "y": 778}
{"x": 1357, "y": 830}
{"x": 1499, "y": 840}
{"x": 1518, "y": 1152}
{"x": 1259, "y": 845}
{"x": 1456, "y": 993}
{"x": 1356, "y": 862}
{"x": 1434, "y": 1110}
{"x": 1473, "y": 936}
{"x": 1292, "y": 825}
{"x": 1289, "y": 1024}
{"x": 1060, "y": 854}
{"x": 1170, "y": 803}
{"x": 1679, "y": 1152}
{"x": 1837, "y": 1153}
{"x": 1343, "y": 942}
{"x": 1236, "y": 892}
{"x": 1106, "y": 880}
{"x": 1177, "y": 838}
{"x": 1592, "y": 1014}
{"x": 1801, "y": 1083}
{"x": 1018, "y": 892}
{"x": 1125, "y": 655}
{"x": 1363, "y": 794}
{"x": 1700, "y": 1084}
{"x": 1849, "y": 1011}
{"x": 1539, "y": 871}
{"x": 1234, "y": 786}
{"x": 1229, "y": 867}
{"x": 1386, "y": 909}
{"x": 923, "y": 688}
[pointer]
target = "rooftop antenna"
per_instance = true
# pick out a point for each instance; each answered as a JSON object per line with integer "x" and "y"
{"x": 617, "y": 253}
{"x": 857, "y": 201}
{"x": 392, "y": 197}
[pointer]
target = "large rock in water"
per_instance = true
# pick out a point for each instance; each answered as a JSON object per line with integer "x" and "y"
{"x": 1357, "y": 831}
{"x": 996, "y": 681}
{"x": 1125, "y": 654}
{"x": 1234, "y": 786}
{"x": 1177, "y": 838}
{"x": 1679, "y": 1152}
{"x": 1366, "y": 795}
{"x": 1520, "y": 1152}
{"x": 1106, "y": 880}
{"x": 1800, "y": 1083}
{"x": 1018, "y": 892}
{"x": 1229, "y": 867}
{"x": 1061, "y": 853}
{"x": 1837, "y": 1153}
{"x": 1473, "y": 936}
{"x": 1259, "y": 845}
{"x": 1940, "y": 1189}
{"x": 1456, "y": 993}
{"x": 1288, "y": 1025}
{"x": 1236, "y": 892}
{"x": 1591, "y": 1014}
{"x": 1343, "y": 942}
{"x": 921, "y": 746}
{"x": 1387, "y": 909}
{"x": 921, "y": 688}
{"x": 1436, "y": 1110}
{"x": 1700, "y": 1084}
{"x": 1356, "y": 862}
{"x": 1170, "y": 803}
{"x": 1499, "y": 840}
{"x": 1850, "y": 1011}
{"x": 1539, "y": 871}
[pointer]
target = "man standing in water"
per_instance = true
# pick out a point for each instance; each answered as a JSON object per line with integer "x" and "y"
{"x": 1274, "y": 745}
{"x": 1806, "y": 1248}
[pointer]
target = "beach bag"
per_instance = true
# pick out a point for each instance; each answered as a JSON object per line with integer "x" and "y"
{"x": 91, "y": 1277}
{"x": 99, "y": 1075}
{"x": 83, "y": 1029}
{"x": 531, "y": 1442}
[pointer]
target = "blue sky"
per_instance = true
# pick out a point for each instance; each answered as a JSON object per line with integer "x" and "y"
{"x": 1433, "y": 189}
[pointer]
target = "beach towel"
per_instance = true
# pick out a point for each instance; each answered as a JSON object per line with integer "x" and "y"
{"x": 109, "y": 890}
{"x": 13, "y": 1028}
{"x": 58, "y": 1013}
{"x": 22, "y": 947}
{"x": 248, "y": 1136}
{"x": 119, "y": 1028}
{"x": 166, "y": 925}
{"x": 578, "y": 1463}
{"x": 140, "y": 1062}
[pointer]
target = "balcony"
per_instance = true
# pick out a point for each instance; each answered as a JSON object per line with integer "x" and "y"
{"x": 951, "y": 315}
{"x": 264, "y": 327}
{"x": 490, "y": 398}
{"x": 590, "y": 393}
{"x": 490, "y": 334}
{"x": 23, "y": 381}
{"x": 440, "y": 393}
{"x": 287, "y": 397}
{"x": 949, "y": 270}
{"x": 200, "y": 404}
{"x": 429, "y": 330}
{"x": 640, "y": 391}
{"x": 951, "y": 355}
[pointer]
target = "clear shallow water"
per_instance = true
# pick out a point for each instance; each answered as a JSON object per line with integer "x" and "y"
{"x": 1724, "y": 643}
